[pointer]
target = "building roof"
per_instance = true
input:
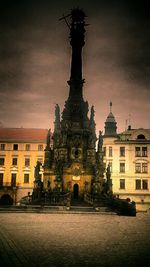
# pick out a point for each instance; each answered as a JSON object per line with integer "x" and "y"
{"x": 134, "y": 136}
{"x": 110, "y": 118}
{"x": 139, "y": 133}
{"x": 110, "y": 126}
{"x": 23, "y": 134}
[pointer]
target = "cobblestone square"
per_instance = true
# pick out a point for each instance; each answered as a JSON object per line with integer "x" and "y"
{"x": 44, "y": 240}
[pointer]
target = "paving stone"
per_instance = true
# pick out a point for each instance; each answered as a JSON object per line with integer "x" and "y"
{"x": 47, "y": 240}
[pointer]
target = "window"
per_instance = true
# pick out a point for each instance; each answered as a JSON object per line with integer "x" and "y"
{"x": 137, "y": 167}
{"x": 122, "y": 183}
{"x": 13, "y": 179}
{"x": 137, "y": 151}
{"x": 40, "y": 147}
{"x": 144, "y": 167}
{"x": 26, "y": 178}
{"x": 110, "y": 151}
{"x": 145, "y": 184}
{"x": 2, "y": 161}
{"x": 15, "y": 147}
{"x": 141, "y": 184}
{"x": 27, "y": 162}
{"x": 122, "y": 151}
{"x": 27, "y": 147}
{"x": 141, "y": 151}
{"x": 2, "y": 147}
{"x": 137, "y": 184}
{"x": 144, "y": 151}
{"x": 141, "y": 167}
{"x": 14, "y": 161}
{"x": 141, "y": 136}
{"x": 104, "y": 151}
{"x": 1, "y": 179}
{"x": 122, "y": 167}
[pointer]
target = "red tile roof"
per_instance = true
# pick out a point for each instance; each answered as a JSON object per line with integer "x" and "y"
{"x": 23, "y": 134}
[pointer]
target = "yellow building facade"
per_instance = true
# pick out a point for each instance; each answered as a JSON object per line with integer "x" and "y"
{"x": 128, "y": 155}
{"x": 20, "y": 149}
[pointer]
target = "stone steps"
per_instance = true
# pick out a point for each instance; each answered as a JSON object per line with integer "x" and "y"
{"x": 55, "y": 209}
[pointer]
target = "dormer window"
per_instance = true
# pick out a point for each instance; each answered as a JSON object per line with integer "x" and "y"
{"x": 141, "y": 136}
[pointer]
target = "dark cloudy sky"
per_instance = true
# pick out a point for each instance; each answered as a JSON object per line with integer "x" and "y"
{"x": 35, "y": 61}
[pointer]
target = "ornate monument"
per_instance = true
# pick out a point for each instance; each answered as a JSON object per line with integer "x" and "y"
{"x": 73, "y": 165}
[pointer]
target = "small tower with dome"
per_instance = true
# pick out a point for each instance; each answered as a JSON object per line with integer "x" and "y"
{"x": 110, "y": 124}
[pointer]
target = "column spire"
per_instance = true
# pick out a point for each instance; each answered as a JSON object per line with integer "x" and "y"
{"x": 76, "y": 23}
{"x": 77, "y": 31}
{"x": 76, "y": 108}
{"x": 110, "y": 104}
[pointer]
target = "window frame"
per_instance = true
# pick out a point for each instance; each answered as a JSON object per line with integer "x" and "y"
{"x": 141, "y": 184}
{"x": 26, "y": 178}
{"x": 2, "y": 161}
{"x": 104, "y": 151}
{"x": 122, "y": 167}
{"x": 122, "y": 151}
{"x": 1, "y": 179}
{"x": 2, "y": 147}
{"x": 111, "y": 166}
{"x": 15, "y": 148}
{"x": 40, "y": 147}
{"x": 144, "y": 167}
{"x": 137, "y": 151}
{"x": 110, "y": 151}
{"x": 122, "y": 184}
{"x": 27, "y": 162}
{"x": 138, "y": 184}
{"x": 137, "y": 167}
{"x": 144, "y": 151}
{"x": 13, "y": 179}
{"x": 14, "y": 163}
{"x": 144, "y": 184}
{"x": 27, "y": 147}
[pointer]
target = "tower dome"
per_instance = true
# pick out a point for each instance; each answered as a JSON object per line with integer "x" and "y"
{"x": 110, "y": 124}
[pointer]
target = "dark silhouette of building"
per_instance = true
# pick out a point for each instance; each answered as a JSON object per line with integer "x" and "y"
{"x": 73, "y": 164}
{"x": 73, "y": 168}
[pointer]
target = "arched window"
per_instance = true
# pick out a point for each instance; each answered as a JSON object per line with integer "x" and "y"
{"x": 141, "y": 136}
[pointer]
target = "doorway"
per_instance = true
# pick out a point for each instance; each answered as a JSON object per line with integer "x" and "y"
{"x": 6, "y": 200}
{"x": 76, "y": 191}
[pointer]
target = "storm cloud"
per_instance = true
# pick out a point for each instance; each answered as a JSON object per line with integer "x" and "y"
{"x": 35, "y": 57}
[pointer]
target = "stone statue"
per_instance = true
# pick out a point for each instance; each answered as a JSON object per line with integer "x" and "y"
{"x": 92, "y": 113}
{"x": 96, "y": 172}
{"x": 57, "y": 112}
{"x": 108, "y": 172}
{"x": 64, "y": 139}
{"x": 100, "y": 141}
{"x": 57, "y": 118}
{"x": 37, "y": 170}
{"x": 48, "y": 138}
{"x": 38, "y": 184}
{"x": 91, "y": 141}
{"x": 108, "y": 182}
